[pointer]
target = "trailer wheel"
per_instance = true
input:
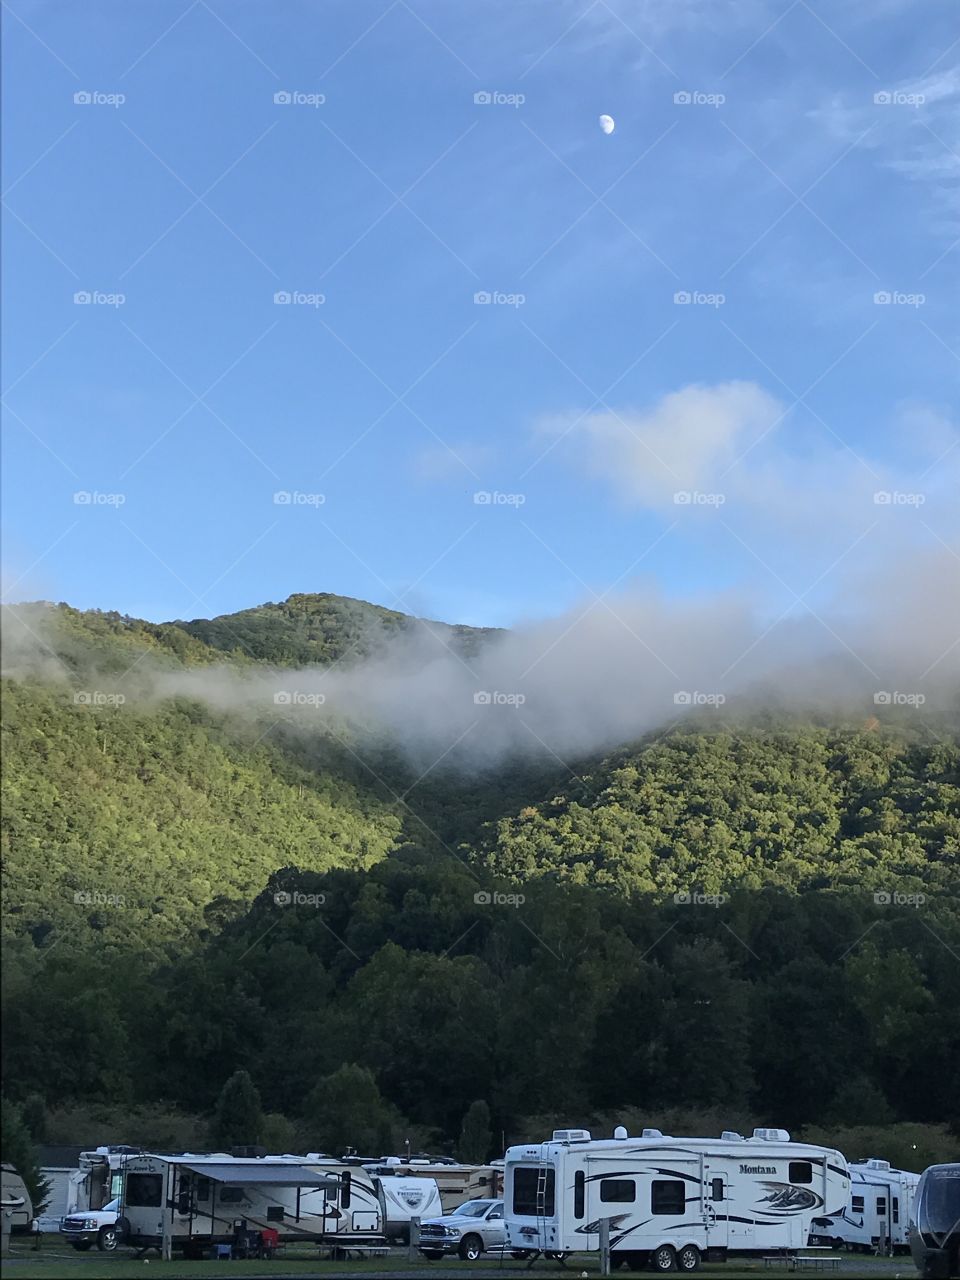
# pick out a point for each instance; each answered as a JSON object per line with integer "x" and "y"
{"x": 555, "y": 1256}
{"x": 664, "y": 1258}
{"x": 688, "y": 1259}
{"x": 471, "y": 1248}
{"x": 520, "y": 1254}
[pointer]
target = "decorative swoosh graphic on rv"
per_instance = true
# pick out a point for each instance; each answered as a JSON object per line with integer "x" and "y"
{"x": 789, "y": 1199}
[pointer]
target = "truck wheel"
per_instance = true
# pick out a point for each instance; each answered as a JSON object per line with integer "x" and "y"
{"x": 82, "y": 1246}
{"x": 434, "y": 1255}
{"x": 471, "y": 1248}
{"x": 107, "y": 1239}
{"x": 664, "y": 1258}
{"x": 688, "y": 1259}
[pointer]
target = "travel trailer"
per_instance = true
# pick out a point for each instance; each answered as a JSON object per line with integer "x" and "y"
{"x": 202, "y": 1200}
{"x": 670, "y": 1202}
{"x": 457, "y": 1183}
{"x": 877, "y": 1214}
{"x": 17, "y": 1207}
{"x": 935, "y": 1222}
{"x": 403, "y": 1198}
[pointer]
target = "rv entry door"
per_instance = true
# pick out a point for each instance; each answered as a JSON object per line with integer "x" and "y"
{"x": 716, "y": 1206}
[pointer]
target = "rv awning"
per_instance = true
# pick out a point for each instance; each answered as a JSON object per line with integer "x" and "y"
{"x": 261, "y": 1174}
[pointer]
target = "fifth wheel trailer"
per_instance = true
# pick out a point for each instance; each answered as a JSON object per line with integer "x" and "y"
{"x": 670, "y": 1202}
{"x": 877, "y": 1212}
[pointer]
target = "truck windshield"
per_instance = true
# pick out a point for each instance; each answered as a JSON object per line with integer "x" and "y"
{"x": 473, "y": 1208}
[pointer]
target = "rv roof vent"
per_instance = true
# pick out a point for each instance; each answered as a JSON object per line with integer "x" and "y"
{"x": 651, "y": 1133}
{"x": 771, "y": 1135}
{"x": 620, "y": 1133}
{"x": 729, "y": 1135}
{"x": 571, "y": 1135}
{"x": 877, "y": 1164}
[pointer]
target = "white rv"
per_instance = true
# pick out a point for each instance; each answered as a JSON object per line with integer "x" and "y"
{"x": 203, "y": 1200}
{"x": 17, "y": 1206}
{"x": 878, "y": 1210}
{"x": 81, "y": 1180}
{"x": 457, "y": 1183}
{"x": 403, "y": 1198}
{"x": 670, "y": 1202}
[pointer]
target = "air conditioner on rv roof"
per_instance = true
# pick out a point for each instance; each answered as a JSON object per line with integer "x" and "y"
{"x": 877, "y": 1164}
{"x": 771, "y": 1135}
{"x": 729, "y": 1135}
{"x": 571, "y": 1135}
{"x": 651, "y": 1133}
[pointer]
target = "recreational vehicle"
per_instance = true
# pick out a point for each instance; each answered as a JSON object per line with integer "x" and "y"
{"x": 199, "y": 1201}
{"x": 18, "y": 1209}
{"x": 80, "y": 1180}
{"x": 877, "y": 1215}
{"x": 403, "y": 1198}
{"x": 457, "y": 1183}
{"x": 935, "y": 1222}
{"x": 670, "y": 1202}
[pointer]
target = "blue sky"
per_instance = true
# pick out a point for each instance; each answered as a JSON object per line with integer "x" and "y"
{"x": 780, "y": 164}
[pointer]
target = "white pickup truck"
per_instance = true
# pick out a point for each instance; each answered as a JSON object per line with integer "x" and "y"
{"x": 90, "y": 1227}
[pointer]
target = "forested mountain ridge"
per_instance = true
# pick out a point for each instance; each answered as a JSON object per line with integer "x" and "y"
{"x": 165, "y": 838}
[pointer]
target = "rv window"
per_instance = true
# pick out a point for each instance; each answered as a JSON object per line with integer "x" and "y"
{"x": 667, "y": 1197}
{"x": 856, "y": 1204}
{"x": 881, "y": 1206}
{"x": 618, "y": 1190}
{"x": 345, "y": 1190}
{"x": 716, "y": 1189}
{"x": 526, "y": 1185}
{"x": 274, "y": 1212}
{"x": 801, "y": 1171}
{"x": 896, "y": 1209}
{"x": 231, "y": 1195}
{"x": 203, "y": 1189}
{"x": 144, "y": 1190}
{"x": 481, "y": 1182}
{"x": 579, "y": 1182}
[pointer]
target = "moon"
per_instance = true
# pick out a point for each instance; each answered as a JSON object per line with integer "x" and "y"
{"x": 607, "y": 124}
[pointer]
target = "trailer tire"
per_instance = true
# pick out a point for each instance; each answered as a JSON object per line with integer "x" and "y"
{"x": 433, "y": 1255}
{"x": 555, "y": 1256}
{"x": 521, "y": 1255}
{"x": 471, "y": 1248}
{"x": 688, "y": 1259}
{"x": 664, "y": 1258}
{"x": 107, "y": 1239}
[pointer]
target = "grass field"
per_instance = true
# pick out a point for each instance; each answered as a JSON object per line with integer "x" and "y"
{"x": 53, "y": 1260}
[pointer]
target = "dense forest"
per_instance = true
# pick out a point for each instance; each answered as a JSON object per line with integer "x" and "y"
{"x": 752, "y": 918}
